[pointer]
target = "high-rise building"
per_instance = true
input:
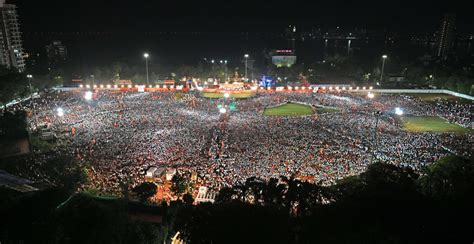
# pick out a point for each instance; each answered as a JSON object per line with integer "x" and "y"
{"x": 56, "y": 53}
{"x": 446, "y": 35}
{"x": 11, "y": 49}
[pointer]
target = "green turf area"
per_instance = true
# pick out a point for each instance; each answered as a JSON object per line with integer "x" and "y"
{"x": 431, "y": 124}
{"x": 432, "y": 97}
{"x": 178, "y": 96}
{"x": 289, "y": 109}
{"x": 233, "y": 95}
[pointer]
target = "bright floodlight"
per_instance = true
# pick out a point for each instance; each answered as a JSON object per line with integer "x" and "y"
{"x": 226, "y": 95}
{"x": 384, "y": 56}
{"x": 60, "y": 112}
{"x": 246, "y": 55}
{"x": 398, "y": 111}
{"x": 370, "y": 95}
{"x": 222, "y": 110}
{"x": 146, "y": 55}
{"x": 88, "y": 95}
{"x": 29, "y": 76}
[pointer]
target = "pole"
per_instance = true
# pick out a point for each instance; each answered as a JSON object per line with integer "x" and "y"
{"x": 32, "y": 99}
{"x": 225, "y": 70}
{"x": 246, "y": 61}
{"x": 383, "y": 66}
{"x": 146, "y": 64}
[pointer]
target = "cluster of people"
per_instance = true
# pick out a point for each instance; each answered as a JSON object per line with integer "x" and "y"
{"x": 119, "y": 135}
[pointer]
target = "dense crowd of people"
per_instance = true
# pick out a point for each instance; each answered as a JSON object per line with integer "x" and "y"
{"x": 119, "y": 135}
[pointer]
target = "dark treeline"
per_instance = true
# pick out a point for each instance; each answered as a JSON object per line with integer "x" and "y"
{"x": 386, "y": 204}
{"x": 456, "y": 75}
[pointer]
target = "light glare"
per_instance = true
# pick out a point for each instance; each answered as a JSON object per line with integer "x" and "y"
{"x": 88, "y": 95}
{"x": 398, "y": 111}
{"x": 60, "y": 112}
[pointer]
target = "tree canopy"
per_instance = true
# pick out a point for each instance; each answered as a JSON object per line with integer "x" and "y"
{"x": 13, "y": 85}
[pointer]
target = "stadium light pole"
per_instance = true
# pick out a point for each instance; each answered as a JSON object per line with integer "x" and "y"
{"x": 30, "y": 77}
{"x": 221, "y": 62}
{"x": 29, "y": 82}
{"x": 146, "y": 55}
{"x": 225, "y": 68}
{"x": 383, "y": 65}
{"x": 93, "y": 80}
{"x": 246, "y": 56}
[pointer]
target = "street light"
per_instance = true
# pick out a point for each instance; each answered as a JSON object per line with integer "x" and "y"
{"x": 146, "y": 55}
{"x": 383, "y": 65}
{"x": 93, "y": 80}
{"x": 246, "y": 56}
{"x": 225, "y": 69}
{"x": 29, "y": 82}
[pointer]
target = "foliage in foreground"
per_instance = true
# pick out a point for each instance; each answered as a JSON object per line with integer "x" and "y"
{"x": 386, "y": 204}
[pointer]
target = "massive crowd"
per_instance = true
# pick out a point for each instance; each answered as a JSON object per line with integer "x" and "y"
{"x": 119, "y": 135}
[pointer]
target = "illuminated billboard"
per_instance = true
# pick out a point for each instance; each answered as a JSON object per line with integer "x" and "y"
{"x": 283, "y": 61}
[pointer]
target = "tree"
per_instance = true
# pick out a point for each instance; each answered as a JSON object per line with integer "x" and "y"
{"x": 179, "y": 185}
{"x": 46, "y": 81}
{"x": 273, "y": 193}
{"x": 145, "y": 191}
{"x": 13, "y": 85}
{"x": 188, "y": 199}
{"x": 226, "y": 195}
{"x": 13, "y": 124}
{"x": 449, "y": 178}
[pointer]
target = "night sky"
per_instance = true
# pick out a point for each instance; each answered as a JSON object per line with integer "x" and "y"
{"x": 236, "y": 15}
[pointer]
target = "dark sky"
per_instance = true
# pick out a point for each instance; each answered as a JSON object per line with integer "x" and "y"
{"x": 236, "y": 15}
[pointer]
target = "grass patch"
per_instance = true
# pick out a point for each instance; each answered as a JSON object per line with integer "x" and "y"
{"x": 240, "y": 95}
{"x": 433, "y": 97}
{"x": 431, "y": 124}
{"x": 289, "y": 109}
{"x": 178, "y": 96}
